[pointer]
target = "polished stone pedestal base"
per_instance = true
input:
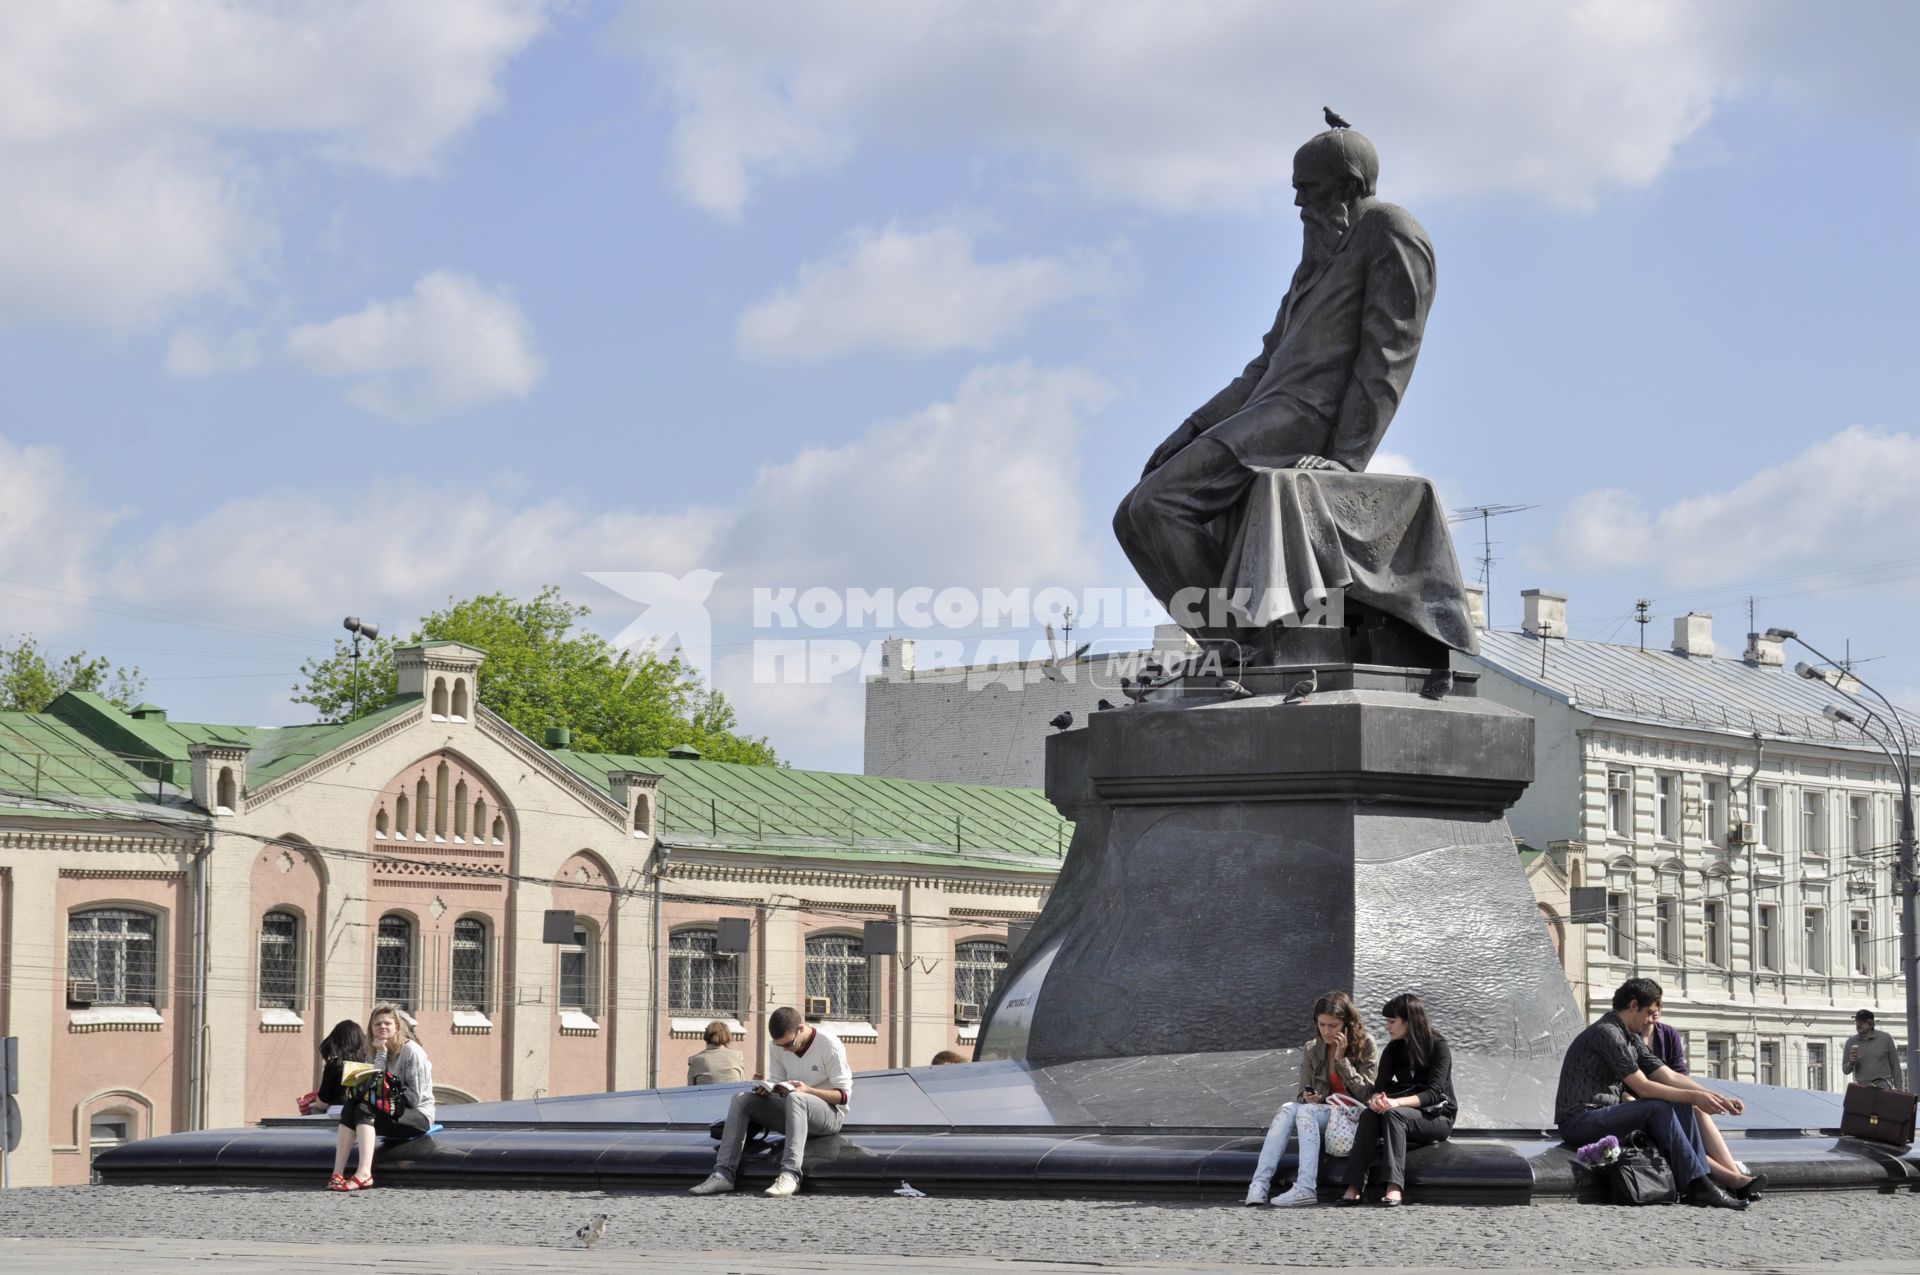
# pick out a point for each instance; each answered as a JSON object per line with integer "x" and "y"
{"x": 1234, "y": 858}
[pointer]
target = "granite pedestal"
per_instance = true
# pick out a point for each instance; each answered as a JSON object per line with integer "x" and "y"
{"x": 1234, "y": 857}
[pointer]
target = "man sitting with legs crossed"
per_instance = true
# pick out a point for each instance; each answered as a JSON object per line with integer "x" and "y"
{"x": 807, "y": 1092}
{"x": 1611, "y": 1083}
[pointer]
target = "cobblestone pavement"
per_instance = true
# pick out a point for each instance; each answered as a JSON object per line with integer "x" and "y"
{"x": 283, "y": 1231}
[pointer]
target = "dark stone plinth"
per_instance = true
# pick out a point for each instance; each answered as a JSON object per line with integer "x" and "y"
{"x": 1112, "y": 1126}
{"x": 1232, "y": 859}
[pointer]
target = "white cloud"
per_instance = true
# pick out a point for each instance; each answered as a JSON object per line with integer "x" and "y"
{"x": 1184, "y": 106}
{"x": 981, "y": 490}
{"x": 191, "y": 353}
{"x": 920, "y": 292}
{"x": 130, "y": 172}
{"x": 1823, "y": 509}
{"x": 49, "y": 533}
{"x": 451, "y": 344}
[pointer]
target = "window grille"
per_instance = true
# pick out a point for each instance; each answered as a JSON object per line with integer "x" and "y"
{"x": 837, "y": 969}
{"x": 393, "y": 963}
{"x": 118, "y": 950}
{"x": 279, "y": 961}
{"x": 977, "y": 967}
{"x": 470, "y": 965}
{"x": 1817, "y": 1066}
{"x": 576, "y": 971}
{"x": 701, "y": 980}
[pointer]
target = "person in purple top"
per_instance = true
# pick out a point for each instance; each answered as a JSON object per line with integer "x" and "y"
{"x": 1670, "y": 1047}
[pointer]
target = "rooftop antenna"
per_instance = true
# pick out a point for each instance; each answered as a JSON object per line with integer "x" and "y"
{"x": 1486, "y": 514}
{"x": 1643, "y": 616}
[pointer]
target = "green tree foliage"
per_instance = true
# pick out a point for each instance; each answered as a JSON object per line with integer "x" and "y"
{"x": 29, "y": 680}
{"x": 543, "y": 669}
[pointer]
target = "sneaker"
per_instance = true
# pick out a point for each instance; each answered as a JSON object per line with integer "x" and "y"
{"x": 718, "y": 1184}
{"x": 1296, "y": 1197}
{"x": 785, "y": 1184}
{"x": 1256, "y": 1194}
{"x": 1595, "y": 1154}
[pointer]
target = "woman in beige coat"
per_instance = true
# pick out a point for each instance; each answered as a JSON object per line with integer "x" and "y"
{"x": 716, "y": 1064}
{"x": 1339, "y": 1059}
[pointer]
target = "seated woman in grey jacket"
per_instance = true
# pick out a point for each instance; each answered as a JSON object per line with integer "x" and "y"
{"x": 1339, "y": 1059}
{"x": 412, "y": 1105}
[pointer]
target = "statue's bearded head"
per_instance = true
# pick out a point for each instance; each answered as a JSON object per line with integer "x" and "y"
{"x": 1332, "y": 173}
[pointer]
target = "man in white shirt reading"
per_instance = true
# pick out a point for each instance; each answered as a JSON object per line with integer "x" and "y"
{"x": 807, "y": 1092}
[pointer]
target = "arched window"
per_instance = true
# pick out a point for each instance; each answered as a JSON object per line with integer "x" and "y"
{"x": 479, "y": 818}
{"x": 643, "y": 816}
{"x": 470, "y": 964}
{"x": 499, "y": 829}
{"x": 279, "y": 961}
{"x": 460, "y": 699}
{"x": 422, "y": 801}
{"x": 977, "y": 967}
{"x": 393, "y": 962}
{"x": 440, "y": 697}
{"x": 225, "y": 796}
{"x": 578, "y": 982}
{"x": 460, "y": 811}
{"x": 400, "y": 810}
{"x": 837, "y": 969}
{"x": 440, "y": 796}
{"x": 113, "y": 957}
{"x": 701, "y": 980}
{"x": 380, "y": 823}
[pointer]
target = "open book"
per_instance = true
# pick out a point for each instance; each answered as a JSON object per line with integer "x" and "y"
{"x": 352, "y": 1073}
{"x": 775, "y": 1088}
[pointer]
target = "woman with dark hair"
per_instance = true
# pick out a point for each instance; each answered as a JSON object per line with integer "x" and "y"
{"x": 1339, "y": 1059}
{"x": 345, "y": 1044}
{"x": 1412, "y": 1102}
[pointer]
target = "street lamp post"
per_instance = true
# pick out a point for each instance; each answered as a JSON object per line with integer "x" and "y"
{"x": 1894, "y": 732}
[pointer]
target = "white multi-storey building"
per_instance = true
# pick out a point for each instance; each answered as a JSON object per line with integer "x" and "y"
{"x": 1745, "y": 844}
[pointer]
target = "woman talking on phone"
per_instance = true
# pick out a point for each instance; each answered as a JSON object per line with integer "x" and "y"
{"x": 1338, "y": 1060}
{"x": 808, "y": 1092}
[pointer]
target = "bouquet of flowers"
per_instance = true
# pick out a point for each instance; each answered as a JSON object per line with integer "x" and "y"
{"x": 1598, "y": 1154}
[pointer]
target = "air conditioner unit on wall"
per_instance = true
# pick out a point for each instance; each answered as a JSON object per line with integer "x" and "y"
{"x": 1861, "y": 925}
{"x": 1620, "y": 781}
{"x": 1744, "y": 834}
{"x": 966, "y": 1012}
{"x": 83, "y": 991}
{"x": 819, "y": 1006}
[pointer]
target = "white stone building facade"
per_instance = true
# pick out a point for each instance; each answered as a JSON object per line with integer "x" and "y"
{"x": 1648, "y": 764}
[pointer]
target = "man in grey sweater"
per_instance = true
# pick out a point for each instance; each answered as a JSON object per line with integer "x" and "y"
{"x": 1872, "y": 1058}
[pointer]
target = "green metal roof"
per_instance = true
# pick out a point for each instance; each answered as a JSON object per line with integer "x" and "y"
{"x": 282, "y": 749}
{"x": 822, "y": 813}
{"x": 42, "y": 755}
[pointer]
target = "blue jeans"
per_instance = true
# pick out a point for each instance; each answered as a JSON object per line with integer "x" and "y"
{"x": 1670, "y": 1124}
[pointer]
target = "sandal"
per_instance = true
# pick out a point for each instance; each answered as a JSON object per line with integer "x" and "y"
{"x": 337, "y": 1183}
{"x": 359, "y": 1183}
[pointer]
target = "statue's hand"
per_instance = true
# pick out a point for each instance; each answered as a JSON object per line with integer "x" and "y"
{"x": 1166, "y": 451}
{"x": 1318, "y": 462}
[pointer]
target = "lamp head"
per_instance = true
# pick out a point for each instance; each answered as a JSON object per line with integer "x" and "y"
{"x": 1835, "y": 713}
{"x": 1783, "y": 635}
{"x": 1809, "y": 672}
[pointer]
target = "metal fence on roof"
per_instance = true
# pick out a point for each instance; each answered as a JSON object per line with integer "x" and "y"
{"x": 38, "y": 770}
{"x": 1721, "y": 715}
{"x": 775, "y": 823}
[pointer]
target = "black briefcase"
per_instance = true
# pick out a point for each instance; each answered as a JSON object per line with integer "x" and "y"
{"x": 1878, "y": 1115}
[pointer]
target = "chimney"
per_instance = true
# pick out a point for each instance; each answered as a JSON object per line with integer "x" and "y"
{"x": 1477, "y": 606}
{"x": 896, "y": 660}
{"x": 1172, "y": 641}
{"x": 1693, "y": 634}
{"x": 1546, "y": 613}
{"x": 1762, "y": 649}
{"x": 559, "y": 737}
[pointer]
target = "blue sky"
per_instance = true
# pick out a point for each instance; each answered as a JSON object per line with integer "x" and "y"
{"x": 329, "y": 309}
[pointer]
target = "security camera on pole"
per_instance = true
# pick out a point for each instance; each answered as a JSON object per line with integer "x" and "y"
{"x": 1888, "y": 732}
